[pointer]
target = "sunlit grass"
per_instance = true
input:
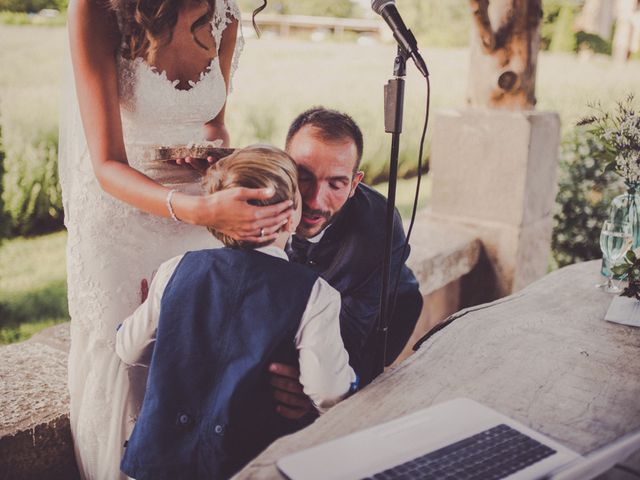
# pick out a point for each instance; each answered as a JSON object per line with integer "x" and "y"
{"x": 33, "y": 289}
{"x": 277, "y": 80}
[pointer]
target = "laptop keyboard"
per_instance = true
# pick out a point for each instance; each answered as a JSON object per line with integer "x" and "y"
{"x": 490, "y": 455}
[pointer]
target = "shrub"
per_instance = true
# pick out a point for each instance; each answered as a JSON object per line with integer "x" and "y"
{"x": 564, "y": 38}
{"x": 582, "y": 204}
{"x": 4, "y": 220}
{"x": 31, "y": 5}
{"x": 335, "y": 8}
{"x": 31, "y": 191}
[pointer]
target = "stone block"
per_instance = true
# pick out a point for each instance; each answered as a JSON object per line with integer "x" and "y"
{"x": 35, "y": 438}
{"x": 494, "y": 165}
{"x": 516, "y": 256}
{"x": 441, "y": 252}
{"x": 494, "y": 172}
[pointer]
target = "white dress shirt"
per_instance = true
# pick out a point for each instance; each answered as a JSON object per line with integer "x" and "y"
{"x": 325, "y": 373}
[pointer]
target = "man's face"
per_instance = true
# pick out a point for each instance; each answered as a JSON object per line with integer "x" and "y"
{"x": 325, "y": 177}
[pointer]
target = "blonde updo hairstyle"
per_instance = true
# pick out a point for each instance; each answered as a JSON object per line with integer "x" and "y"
{"x": 256, "y": 166}
{"x": 149, "y": 24}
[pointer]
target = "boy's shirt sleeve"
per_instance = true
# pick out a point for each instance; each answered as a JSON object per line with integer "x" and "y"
{"x": 136, "y": 335}
{"x": 325, "y": 373}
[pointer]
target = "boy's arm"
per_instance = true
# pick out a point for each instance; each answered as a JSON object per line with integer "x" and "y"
{"x": 325, "y": 373}
{"x": 136, "y": 335}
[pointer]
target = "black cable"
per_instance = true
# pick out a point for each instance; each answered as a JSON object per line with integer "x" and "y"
{"x": 415, "y": 202}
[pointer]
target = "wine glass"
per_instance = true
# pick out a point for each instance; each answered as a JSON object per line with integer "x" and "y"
{"x": 615, "y": 240}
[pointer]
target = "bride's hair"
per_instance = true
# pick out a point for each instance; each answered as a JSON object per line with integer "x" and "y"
{"x": 149, "y": 24}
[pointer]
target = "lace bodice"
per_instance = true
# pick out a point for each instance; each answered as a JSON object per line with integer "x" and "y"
{"x": 155, "y": 112}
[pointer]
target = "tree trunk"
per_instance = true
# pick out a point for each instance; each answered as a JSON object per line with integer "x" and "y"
{"x": 623, "y": 37}
{"x": 597, "y": 17}
{"x": 504, "y": 51}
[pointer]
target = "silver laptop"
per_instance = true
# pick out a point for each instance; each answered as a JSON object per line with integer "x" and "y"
{"x": 456, "y": 439}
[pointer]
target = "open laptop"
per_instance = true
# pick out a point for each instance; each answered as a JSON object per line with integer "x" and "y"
{"x": 458, "y": 439}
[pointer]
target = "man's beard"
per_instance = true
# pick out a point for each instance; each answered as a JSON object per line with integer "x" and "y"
{"x": 315, "y": 213}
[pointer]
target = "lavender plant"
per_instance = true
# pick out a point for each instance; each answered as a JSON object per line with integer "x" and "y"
{"x": 619, "y": 132}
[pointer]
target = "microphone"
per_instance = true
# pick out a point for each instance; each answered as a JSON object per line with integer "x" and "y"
{"x": 388, "y": 11}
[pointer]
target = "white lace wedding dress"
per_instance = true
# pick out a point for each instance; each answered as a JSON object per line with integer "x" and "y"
{"x": 112, "y": 246}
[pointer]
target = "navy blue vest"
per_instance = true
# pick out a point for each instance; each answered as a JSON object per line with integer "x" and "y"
{"x": 208, "y": 409}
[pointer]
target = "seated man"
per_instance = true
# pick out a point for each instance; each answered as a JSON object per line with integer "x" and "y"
{"x": 341, "y": 236}
{"x": 212, "y": 322}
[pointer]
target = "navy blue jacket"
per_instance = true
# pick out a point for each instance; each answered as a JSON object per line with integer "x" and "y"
{"x": 349, "y": 257}
{"x": 208, "y": 409}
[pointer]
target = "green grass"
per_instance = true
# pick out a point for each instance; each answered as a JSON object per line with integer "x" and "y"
{"x": 277, "y": 79}
{"x": 405, "y": 194}
{"x": 33, "y": 287}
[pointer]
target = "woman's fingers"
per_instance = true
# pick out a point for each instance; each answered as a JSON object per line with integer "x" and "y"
{"x": 245, "y": 194}
{"x": 274, "y": 210}
{"x": 270, "y": 225}
{"x": 257, "y": 238}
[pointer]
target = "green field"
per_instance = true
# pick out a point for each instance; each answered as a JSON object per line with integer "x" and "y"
{"x": 277, "y": 79}
{"x": 32, "y": 285}
{"x": 33, "y": 289}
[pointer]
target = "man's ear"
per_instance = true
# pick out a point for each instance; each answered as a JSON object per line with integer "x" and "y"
{"x": 357, "y": 178}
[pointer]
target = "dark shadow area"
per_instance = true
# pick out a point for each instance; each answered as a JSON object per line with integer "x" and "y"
{"x": 480, "y": 285}
{"x": 44, "y": 303}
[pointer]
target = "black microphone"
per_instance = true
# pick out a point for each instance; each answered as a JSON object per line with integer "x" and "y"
{"x": 388, "y": 11}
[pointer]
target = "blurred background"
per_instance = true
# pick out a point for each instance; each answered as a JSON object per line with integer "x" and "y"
{"x": 337, "y": 54}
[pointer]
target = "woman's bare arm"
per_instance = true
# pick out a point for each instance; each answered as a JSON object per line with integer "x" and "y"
{"x": 94, "y": 40}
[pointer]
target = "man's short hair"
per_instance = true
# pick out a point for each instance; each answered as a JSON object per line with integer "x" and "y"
{"x": 332, "y": 126}
{"x": 256, "y": 166}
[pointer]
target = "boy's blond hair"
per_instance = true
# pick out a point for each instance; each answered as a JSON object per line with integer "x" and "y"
{"x": 256, "y": 166}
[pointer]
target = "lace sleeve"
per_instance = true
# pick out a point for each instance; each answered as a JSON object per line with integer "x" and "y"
{"x": 226, "y": 12}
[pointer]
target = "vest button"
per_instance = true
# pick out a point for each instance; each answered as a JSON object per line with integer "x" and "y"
{"x": 218, "y": 429}
{"x": 184, "y": 419}
{"x": 312, "y": 263}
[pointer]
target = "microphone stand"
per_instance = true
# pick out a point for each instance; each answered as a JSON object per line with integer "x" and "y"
{"x": 393, "y": 114}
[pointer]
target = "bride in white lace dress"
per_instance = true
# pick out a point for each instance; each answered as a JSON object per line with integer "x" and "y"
{"x": 145, "y": 73}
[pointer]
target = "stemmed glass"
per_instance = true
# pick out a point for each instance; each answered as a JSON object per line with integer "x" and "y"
{"x": 615, "y": 240}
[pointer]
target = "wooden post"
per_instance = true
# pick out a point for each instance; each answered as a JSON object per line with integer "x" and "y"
{"x": 504, "y": 52}
{"x": 623, "y": 37}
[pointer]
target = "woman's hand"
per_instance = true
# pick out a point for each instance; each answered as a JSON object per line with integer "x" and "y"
{"x": 213, "y": 131}
{"x": 229, "y": 212}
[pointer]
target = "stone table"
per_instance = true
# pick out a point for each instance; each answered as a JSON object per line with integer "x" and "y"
{"x": 544, "y": 357}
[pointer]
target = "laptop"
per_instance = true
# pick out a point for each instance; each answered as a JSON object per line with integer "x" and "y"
{"x": 458, "y": 439}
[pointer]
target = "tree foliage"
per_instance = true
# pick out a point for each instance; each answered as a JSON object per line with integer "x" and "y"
{"x": 31, "y": 5}
{"x": 334, "y": 8}
{"x": 4, "y": 220}
{"x": 31, "y": 190}
{"x": 585, "y": 192}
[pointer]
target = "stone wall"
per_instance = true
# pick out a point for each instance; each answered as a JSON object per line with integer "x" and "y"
{"x": 35, "y": 439}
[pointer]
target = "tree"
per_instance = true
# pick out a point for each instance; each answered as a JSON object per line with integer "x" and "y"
{"x": 504, "y": 53}
{"x": 31, "y": 5}
{"x": 436, "y": 23}
{"x": 335, "y": 8}
{"x": 4, "y": 220}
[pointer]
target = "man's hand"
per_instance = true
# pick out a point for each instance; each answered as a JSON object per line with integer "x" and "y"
{"x": 144, "y": 290}
{"x": 292, "y": 402}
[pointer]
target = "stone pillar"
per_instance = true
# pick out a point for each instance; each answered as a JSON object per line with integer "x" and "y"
{"x": 495, "y": 171}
